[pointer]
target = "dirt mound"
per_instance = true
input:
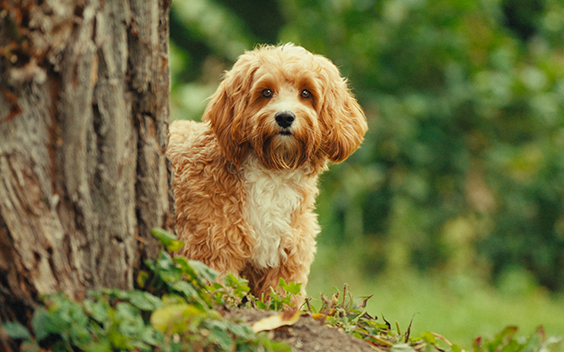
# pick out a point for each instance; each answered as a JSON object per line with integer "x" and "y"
{"x": 307, "y": 334}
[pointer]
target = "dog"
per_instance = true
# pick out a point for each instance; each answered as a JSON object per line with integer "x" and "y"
{"x": 245, "y": 178}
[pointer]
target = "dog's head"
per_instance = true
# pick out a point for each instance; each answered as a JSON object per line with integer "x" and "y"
{"x": 286, "y": 105}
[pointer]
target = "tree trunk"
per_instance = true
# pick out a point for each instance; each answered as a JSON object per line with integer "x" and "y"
{"x": 84, "y": 108}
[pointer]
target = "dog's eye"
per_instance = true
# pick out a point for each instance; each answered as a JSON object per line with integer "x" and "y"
{"x": 305, "y": 94}
{"x": 267, "y": 93}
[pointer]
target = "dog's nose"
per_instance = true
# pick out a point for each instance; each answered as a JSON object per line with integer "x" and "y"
{"x": 284, "y": 119}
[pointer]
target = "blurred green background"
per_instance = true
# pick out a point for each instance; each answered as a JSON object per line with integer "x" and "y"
{"x": 452, "y": 211}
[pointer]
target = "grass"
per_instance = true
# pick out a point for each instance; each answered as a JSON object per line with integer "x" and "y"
{"x": 461, "y": 308}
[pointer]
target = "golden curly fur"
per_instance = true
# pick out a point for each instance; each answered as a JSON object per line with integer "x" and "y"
{"x": 245, "y": 179}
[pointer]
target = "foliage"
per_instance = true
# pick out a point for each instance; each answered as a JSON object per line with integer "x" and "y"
{"x": 344, "y": 311}
{"x": 176, "y": 310}
{"x": 506, "y": 341}
{"x": 279, "y": 300}
{"x": 462, "y": 168}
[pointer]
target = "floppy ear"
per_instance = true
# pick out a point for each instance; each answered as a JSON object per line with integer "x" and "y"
{"x": 341, "y": 118}
{"x": 226, "y": 110}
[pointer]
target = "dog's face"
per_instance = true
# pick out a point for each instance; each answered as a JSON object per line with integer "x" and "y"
{"x": 288, "y": 107}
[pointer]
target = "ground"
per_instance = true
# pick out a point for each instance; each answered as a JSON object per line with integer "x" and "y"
{"x": 306, "y": 335}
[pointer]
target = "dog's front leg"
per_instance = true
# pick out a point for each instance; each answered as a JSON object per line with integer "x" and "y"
{"x": 294, "y": 269}
{"x": 221, "y": 246}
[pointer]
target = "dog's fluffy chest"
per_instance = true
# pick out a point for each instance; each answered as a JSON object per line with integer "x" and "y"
{"x": 272, "y": 198}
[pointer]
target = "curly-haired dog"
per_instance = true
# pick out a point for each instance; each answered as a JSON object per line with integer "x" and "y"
{"x": 245, "y": 179}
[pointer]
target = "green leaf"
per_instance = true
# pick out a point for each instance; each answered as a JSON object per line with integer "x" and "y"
{"x": 144, "y": 300}
{"x": 216, "y": 286}
{"x": 238, "y": 284}
{"x": 507, "y": 333}
{"x": 272, "y": 345}
{"x": 241, "y": 330}
{"x": 167, "y": 269}
{"x": 402, "y": 347}
{"x": 186, "y": 289}
{"x": 186, "y": 268}
{"x": 128, "y": 327}
{"x": 552, "y": 340}
{"x": 129, "y": 318}
{"x": 175, "y": 318}
{"x": 292, "y": 287}
{"x": 222, "y": 338}
{"x": 230, "y": 280}
{"x": 116, "y": 293}
{"x": 97, "y": 310}
{"x": 142, "y": 278}
{"x": 203, "y": 270}
{"x": 241, "y": 290}
{"x": 502, "y": 338}
{"x": 169, "y": 300}
{"x": 261, "y": 305}
{"x": 429, "y": 337}
{"x": 175, "y": 245}
{"x": 152, "y": 336}
{"x": 150, "y": 264}
{"x": 41, "y": 324}
{"x": 103, "y": 345}
{"x": 16, "y": 330}
{"x": 118, "y": 340}
{"x": 167, "y": 239}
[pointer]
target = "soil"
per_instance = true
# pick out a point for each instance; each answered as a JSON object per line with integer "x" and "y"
{"x": 307, "y": 334}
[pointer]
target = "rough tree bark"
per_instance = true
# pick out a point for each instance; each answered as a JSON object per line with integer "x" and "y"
{"x": 84, "y": 110}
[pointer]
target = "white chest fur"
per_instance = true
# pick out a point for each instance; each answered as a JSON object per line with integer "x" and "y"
{"x": 272, "y": 198}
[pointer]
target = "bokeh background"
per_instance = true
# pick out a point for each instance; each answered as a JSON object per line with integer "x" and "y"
{"x": 452, "y": 211}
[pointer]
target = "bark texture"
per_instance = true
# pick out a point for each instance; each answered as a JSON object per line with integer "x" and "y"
{"x": 84, "y": 114}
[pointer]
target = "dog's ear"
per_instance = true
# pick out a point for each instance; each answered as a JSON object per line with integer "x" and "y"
{"x": 226, "y": 110}
{"x": 341, "y": 117}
